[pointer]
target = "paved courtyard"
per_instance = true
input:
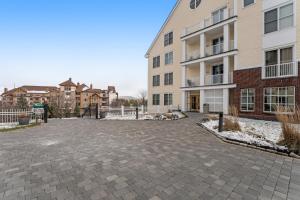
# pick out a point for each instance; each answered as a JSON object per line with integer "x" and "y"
{"x": 89, "y": 159}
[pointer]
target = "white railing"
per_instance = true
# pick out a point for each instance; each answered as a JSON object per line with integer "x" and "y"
{"x": 209, "y": 21}
{"x": 192, "y": 82}
{"x": 218, "y": 79}
{"x": 10, "y": 117}
{"x": 280, "y": 70}
{"x": 214, "y": 49}
{"x": 192, "y": 56}
{"x": 123, "y": 111}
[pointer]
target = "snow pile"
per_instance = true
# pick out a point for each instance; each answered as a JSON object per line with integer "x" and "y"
{"x": 8, "y": 126}
{"x": 258, "y": 132}
{"x": 127, "y": 117}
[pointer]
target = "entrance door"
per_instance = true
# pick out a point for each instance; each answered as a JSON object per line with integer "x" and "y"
{"x": 195, "y": 103}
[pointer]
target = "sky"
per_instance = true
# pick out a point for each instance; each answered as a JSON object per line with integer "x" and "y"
{"x": 44, "y": 42}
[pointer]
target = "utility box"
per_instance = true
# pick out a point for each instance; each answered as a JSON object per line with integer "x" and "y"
{"x": 206, "y": 108}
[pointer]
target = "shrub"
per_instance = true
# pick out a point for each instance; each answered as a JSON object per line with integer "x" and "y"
{"x": 290, "y": 124}
{"x": 231, "y": 122}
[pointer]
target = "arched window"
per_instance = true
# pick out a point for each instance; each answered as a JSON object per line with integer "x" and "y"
{"x": 194, "y": 4}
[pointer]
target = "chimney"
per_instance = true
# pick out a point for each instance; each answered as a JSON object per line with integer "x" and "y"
{"x": 78, "y": 83}
{"x": 70, "y": 79}
{"x": 5, "y": 90}
{"x": 91, "y": 86}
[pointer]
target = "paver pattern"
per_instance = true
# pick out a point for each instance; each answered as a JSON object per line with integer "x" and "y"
{"x": 156, "y": 160}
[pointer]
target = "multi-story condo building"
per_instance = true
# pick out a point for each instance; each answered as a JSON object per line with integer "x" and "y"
{"x": 220, "y": 53}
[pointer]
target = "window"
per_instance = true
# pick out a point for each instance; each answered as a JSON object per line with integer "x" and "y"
{"x": 168, "y": 39}
{"x": 194, "y": 4}
{"x": 283, "y": 97}
{"x": 156, "y": 80}
{"x": 218, "y": 15}
{"x": 286, "y": 18}
{"x": 247, "y": 100}
{"x": 155, "y": 99}
{"x": 279, "y": 56}
{"x": 248, "y": 2}
{"x": 156, "y": 62}
{"x": 271, "y": 21}
{"x": 279, "y": 18}
{"x": 169, "y": 58}
{"x": 169, "y": 79}
{"x": 168, "y": 99}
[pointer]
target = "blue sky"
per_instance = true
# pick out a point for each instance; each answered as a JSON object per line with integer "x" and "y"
{"x": 44, "y": 42}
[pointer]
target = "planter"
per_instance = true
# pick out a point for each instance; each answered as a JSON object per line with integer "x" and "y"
{"x": 24, "y": 121}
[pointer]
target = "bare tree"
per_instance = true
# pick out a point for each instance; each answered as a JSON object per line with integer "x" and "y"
{"x": 143, "y": 96}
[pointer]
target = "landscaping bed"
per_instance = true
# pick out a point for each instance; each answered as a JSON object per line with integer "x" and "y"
{"x": 265, "y": 134}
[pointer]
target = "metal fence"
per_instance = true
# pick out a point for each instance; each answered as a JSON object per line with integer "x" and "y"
{"x": 10, "y": 117}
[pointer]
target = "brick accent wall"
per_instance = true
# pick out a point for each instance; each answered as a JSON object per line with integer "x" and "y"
{"x": 252, "y": 78}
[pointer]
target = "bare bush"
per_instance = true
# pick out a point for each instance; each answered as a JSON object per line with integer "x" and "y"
{"x": 231, "y": 122}
{"x": 290, "y": 123}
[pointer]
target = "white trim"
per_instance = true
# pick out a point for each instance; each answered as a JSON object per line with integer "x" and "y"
{"x": 162, "y": 28}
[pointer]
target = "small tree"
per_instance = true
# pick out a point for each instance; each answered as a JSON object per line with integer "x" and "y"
{"x": 77, "y": 111}
{"x": 22, "y": 102}
{"x": 142, "y": 96}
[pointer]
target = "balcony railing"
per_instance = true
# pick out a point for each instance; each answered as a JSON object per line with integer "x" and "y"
{"x": 192, "y": 56}
{"x": 280, "y": 70}
{"x": 192, "y": 82}
{"x": 214, "y": 49}
{"x": 207, "y": 22}
{"x": 217, "y": 79}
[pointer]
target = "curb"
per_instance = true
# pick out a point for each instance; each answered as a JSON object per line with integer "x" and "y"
{"x": 244, "y": 144}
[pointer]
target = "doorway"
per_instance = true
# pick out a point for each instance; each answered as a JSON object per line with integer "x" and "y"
{"x": 195, "y": 103}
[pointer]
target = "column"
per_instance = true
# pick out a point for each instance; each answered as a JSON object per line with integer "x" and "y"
{"x": 183, "y": 101}
{"x": 226, "y": 38}
{"x": 235, "y": 6}
{"x": 202, "y": 73}
{"x": 235, "y": 43}
{"x": 225, "y": 101}
{"x": 202, "y": 44}
{"x": 183, "y": 50}
{"x": 202, "y": 94}
{"x": 183, "y": 76}
{"x": 226, "y": 70}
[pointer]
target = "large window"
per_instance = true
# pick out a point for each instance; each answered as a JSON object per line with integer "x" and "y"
{"x": 156, "y": 62}
{"x": 279, "y": 18}
{"x": 168, "y": 39}
{"x": 279, "y": 97}
{"x": 168, "y": 99}
{"x": 169, "y": 79}
{"x": 247, "y": 100}
{"x": 156, "y": 80}
{"x": 169, "y": 58}
{"x": 279, "y": 56}
{"x": 248, "y": 2}
{"x": 155, "y": 99}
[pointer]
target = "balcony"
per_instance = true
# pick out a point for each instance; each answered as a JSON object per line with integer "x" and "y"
{"x": 280, "y": 70}
{"x": 212, "y": 20}
{"x": 217, "y": 79}
{"x": 192, "y": 82}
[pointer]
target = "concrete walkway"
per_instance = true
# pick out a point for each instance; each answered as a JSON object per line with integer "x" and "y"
{"x": 89, "y": 159}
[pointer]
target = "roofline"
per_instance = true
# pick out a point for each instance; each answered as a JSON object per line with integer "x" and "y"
{"x": 162, "y": 27}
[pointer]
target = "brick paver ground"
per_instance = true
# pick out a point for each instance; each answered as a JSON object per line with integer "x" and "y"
{"x": 89, "y": 159}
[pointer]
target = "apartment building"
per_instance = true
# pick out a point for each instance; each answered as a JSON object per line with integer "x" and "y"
{"x": 67, "y": 96}
{"x": 33, "y": 94}
{"x": 227, "y": 52}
